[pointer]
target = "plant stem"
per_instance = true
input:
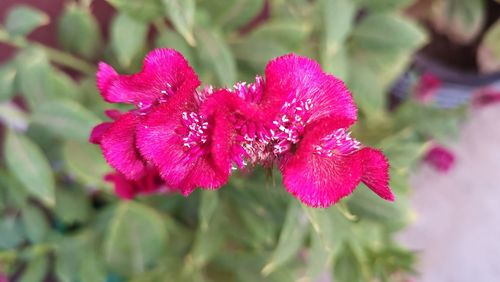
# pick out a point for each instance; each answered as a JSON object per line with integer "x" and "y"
{"x": 55, "y": 55}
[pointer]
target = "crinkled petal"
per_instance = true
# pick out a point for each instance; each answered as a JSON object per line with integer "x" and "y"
{"x": 292, "y": 76}
{"x": 376, "y": 172}
{"x": 119, "y": 149}
{"x": 98, "y": 131}
{"x": 164, "y": 71}
{"x": 320, "y": 181}
{"x": 160, "y": 141}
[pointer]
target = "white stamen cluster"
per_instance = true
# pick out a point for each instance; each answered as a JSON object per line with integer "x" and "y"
{"x": 197, "y": 136}
{"x": 339, "y": 142}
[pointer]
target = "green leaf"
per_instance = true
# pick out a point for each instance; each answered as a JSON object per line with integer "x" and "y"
{"x": 66, "y": 119}
{"x": 78, "y": 31}
{"x": 28, "y": 164}
{"x": 12, "y": 116}
{"x": 7, "y": 78}
{"x": 232, "y": 14}
{"x": 216, "y": 55}
{"x": 12, "y": 232}
{"x": 22, "y": 20}
{"x": 208, "y": 205}
{"x": 145, "y": 10}
{"x": 171, "y": 39}
{"x": 181, "y": 13}
{"x": 72, "y": 205}
{"x": 489, "y": 50}
{"x": 347, "y": 268}
{"x": 36, "y": 270}
{"x": 34, "y": 76}
{"x": 290, "y": 240}
{"x": 135, "y": 238}
{"x": 385, "y": 56}
{"x": 35, "y": 223}
{"x": 85, "y": 162}
{"x": 338, "y": 16}
{"x": 127, "y": 38}
{"x": 64, "y": 86}
{"x": 460, "y": 20}
{"x": 319, "y": 259}
{"x": 383, "y": 5}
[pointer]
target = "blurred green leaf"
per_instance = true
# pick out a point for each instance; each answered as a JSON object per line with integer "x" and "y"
{"x": 28, "y": 164}
{"x": 460, "y": 20}
{"x": 72, "y": 205}
{"x": 291, "y": 238}
{"x": 85, "y": 162}
{"x": 34, "y": 76}
{"x": 385, "y": 56}
{"x": 232, "y": 14}
{"x": 208, "y": 205}
{"x": 319, "y": 259}
{"x": 136, "y": 236}
{"x": 383, "y": 5}
{"x": 64, "y": 86}
{"x": 12, "y": 116}
{"x": 36, "y": 270}
{"x": 66, "y": 119}
{"x": 22, "y": 20}
{"x": 127, "y": 38}
{"x": 181, "y": 13}
{"x": 347, "y": 268}
{"x": 35, "y": 223}
{"x": 338, "y": 16}
{"x": 12, "y": 232}
{"x": 78, "y": 31}
{"x": 145, "y": 10}
{"x": 216, "y": 55}
{"x": 7, "y": 78}
{"x": 489, "y": 50}
{"x": 171, "y": 39}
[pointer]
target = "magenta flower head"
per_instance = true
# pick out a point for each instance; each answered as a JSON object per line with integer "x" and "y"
{"x": 165, "y": 72}
{"x": 321, "y": 163}
{"x": 441, "y": 158}
{"x": 296, "y": 118}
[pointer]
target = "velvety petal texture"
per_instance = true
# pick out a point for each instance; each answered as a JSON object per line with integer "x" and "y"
{"x": 163, "y": 73}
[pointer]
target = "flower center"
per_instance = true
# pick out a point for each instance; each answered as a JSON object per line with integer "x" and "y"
{"x": 339, "y": 142}
{"x": 196, "y": 134}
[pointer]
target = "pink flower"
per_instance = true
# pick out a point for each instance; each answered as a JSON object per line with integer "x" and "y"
{"x": 149, "y": 183}
{"x": 486, "y": 97}
{"x": 426, "y": 87}
{"x": 299, "y": 119}
{"x": 165, "y": 73}
{"x": 440, "y": 158}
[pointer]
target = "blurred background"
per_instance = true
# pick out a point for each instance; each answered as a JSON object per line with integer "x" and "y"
{"x": 425, "y": 75}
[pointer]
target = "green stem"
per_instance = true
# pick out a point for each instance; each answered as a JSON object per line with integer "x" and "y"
{"x": 55, "y": 55}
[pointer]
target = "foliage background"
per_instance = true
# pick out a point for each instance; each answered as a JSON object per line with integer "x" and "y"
{"x": 60, "y": 221}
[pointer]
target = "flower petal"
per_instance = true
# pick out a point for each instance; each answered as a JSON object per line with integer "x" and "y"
{"x": 98, "y": 131}
{"x": 118, "y": 146}
{"x": 161, "y": 142}
{"x": 164, "y": 71}
{"x": 320, "y": 181}
{"x": 376, "y": 172}
{"x": 294, "y": 77}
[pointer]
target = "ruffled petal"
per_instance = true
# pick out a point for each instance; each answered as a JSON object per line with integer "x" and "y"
{"x": 376, "y": 172}
{"x": 160, "y": 140}
{"x": 118, "y": 146}
{"x": 164, "y": 71}
{"x": 294, "y": 77}
{"x": 319, "y": 180}
{"x": 98, "y": 131}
